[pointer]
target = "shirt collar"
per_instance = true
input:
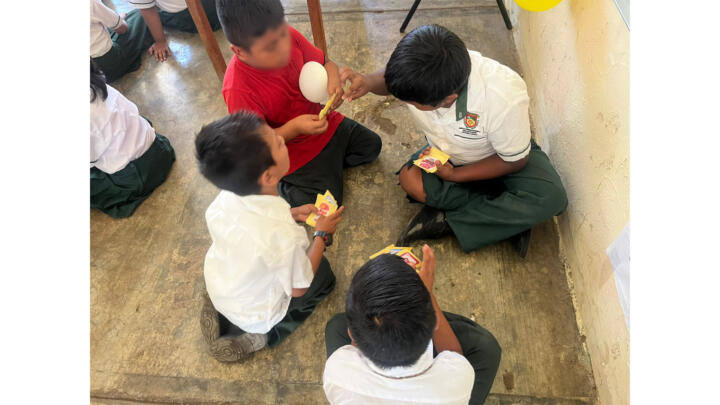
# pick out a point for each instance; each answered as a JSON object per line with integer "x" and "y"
{"x": 270, "y": 206}
{"x": 421, "y": 365}
{"x": 461, "y": 103}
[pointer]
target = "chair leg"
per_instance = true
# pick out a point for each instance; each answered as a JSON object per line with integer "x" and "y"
{"x": 504, "y": 13}
{"x": 409, "y": 16}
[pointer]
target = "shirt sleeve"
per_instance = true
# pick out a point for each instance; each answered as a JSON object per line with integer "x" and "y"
{"x": 106, "y": 16}
{"x": 141, "y": 4}
{"x": 309, "y": 51}
{"x": 511, "y": 140}
{"x": 237, "y": 100}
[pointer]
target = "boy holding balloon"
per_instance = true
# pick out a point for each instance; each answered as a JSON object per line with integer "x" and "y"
{"x": 497, "y": 183}
{"x": 264, "y": 76}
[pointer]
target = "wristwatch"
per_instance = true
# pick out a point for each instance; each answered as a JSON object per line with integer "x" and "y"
{"x": 326, "y": 237}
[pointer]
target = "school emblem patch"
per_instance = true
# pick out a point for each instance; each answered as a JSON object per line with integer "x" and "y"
{"x": 471, "y": 120}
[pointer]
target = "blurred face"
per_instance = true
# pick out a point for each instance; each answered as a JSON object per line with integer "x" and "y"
{"x": 269, "y": 51}
{"x": 279, "y": 153}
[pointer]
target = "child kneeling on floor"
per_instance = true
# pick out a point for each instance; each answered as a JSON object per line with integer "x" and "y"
{"x": 498, "y": 183}
{"x": 128, "y": 159}
{"x": 259, "y": 273}
{"x": 394, "y": 345}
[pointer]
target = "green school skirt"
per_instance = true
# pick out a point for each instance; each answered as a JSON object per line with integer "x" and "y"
{"x": 120, "y": 193}
{"x": 484, "y": 212}
{"x": 182, "y": 20}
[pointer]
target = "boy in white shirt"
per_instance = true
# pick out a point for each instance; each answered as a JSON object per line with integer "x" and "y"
{"x": 128, "y": 159}
{"x": 171, "y": 14}
{"x": 117, "y": 42}
{"x": 497, "y": 184}
{"x": 394, "y": 345}
{"x": 259, "y": 273}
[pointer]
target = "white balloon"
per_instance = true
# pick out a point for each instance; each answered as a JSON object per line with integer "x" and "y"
{"x": 313, "y": 82}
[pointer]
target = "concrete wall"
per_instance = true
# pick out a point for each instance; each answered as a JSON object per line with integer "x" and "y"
{"x": 575, "y": 59}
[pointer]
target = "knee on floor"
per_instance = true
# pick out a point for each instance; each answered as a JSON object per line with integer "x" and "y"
{"x": 376, "y": 145}
{"x": 335, "y": 323}
{"x": 489, "y": 347}
{"x": 555, "y": 201}
{"x": 411, "y": 182}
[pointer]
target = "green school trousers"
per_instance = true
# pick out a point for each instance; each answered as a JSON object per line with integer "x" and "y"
{"x": 120, "y": 193}
{"x": 484, "y": 212}
{"x": 182, "y": 20}
{"x": 126, "y": 52}
{"x": 479, "y": 346}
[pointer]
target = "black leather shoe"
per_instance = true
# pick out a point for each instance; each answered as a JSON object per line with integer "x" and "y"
{"x": 429, "y": 223}
{"x": 521, "y": 242}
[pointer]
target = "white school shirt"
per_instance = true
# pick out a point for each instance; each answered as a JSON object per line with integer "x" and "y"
{"x": 101, "y": 18}
{"x": 496, "y": 120}
{"x": 352, "y": 379}
{"x": 258, "y": 255}
{"x": 118, "y": 134}
{"x": 170, "y": 6}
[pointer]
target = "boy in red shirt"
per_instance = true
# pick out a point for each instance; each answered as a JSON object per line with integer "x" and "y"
{"x": 263, "y": 76}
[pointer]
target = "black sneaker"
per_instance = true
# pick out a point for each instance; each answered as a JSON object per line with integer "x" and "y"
{"x": 521, "y": 242}
{"x": 429, "y": 223}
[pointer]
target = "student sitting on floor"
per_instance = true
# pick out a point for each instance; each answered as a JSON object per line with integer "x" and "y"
{"x": 498, "y": 184}
{"x": 263, "y": 76}
{"x": 171, "y": 14}
{"x": 119, "y": 51}
{"x": 128, "y": 159}
{"x": 394, "y": 345}
{"x": 259, "y": 273}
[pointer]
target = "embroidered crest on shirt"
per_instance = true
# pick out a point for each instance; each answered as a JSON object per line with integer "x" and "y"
{"x": 469, "y": 127}
{"x": 471, "y": 120}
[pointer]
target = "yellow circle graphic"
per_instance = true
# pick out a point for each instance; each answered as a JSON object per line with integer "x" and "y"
{"x": 537, "y": 5}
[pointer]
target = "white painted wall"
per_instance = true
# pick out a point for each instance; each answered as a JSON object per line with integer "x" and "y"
{"x": 575, "y": 60}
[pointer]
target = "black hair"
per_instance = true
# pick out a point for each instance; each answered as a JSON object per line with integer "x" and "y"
{"x": 429, "y": 64}
{"x": 389, "y": 312}
{"x": 97, "y": 82}
{"x": 232, "y": 153}
{"x": 244, "y": 20}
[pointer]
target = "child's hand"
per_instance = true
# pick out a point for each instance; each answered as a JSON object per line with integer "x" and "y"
{"x": 445, "y": 171}
{"x": 336, "y": 88}
{"x": 160, "y": 50}
{"x": 358, "y": 85}
{"x": 426, "y": 151}
{"x": 123, "y": 27}
{"x": 310, "y": 124}
{"x": 329, "y": 223}
{"x": 427, "y": 271}
{"x": 301, "y": 213}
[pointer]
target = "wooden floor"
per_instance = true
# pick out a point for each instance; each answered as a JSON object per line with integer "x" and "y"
{"x": 146, "y": 271}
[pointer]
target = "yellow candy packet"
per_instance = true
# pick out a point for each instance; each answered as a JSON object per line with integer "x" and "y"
{"x": 427, "y": 162}
{"x": 326, "y": 205}
{"x": 326, "y": 109}
{"x": 404, "y": 252}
